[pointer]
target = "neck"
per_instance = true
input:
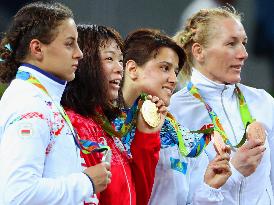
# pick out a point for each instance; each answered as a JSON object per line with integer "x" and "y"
{"x": 130, "y": 94}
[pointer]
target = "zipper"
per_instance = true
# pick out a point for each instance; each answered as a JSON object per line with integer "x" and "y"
{"x": 240, "y": 191}
{"x": 236, "y": 141}
{"x": 230, "y": 124}
{"x": 127, "y": 180}
{"x": 268, "y": 196}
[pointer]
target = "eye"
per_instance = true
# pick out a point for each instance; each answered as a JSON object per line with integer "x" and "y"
{"x": 165, "y": 68}
{"x": 69, "y": 44}
{"x": 231, "y": 43}
{"x": 109, "y": 58}
{"x": 244, "y": 43}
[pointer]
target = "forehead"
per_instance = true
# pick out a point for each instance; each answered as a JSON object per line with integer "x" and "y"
{"x": 109, "y": 44}
{"x": 165, "y": 52}
{"x": 164, "y": 55}
{"x": 227, "y": 27}
{"x": 66, "y": 29}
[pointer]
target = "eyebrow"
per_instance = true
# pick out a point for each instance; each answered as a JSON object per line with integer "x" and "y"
{"x": 170, "y": 64}
{"x": 70, "y": 38}
{"x": 235, "y": 38}
{"x": 112, "y": 52}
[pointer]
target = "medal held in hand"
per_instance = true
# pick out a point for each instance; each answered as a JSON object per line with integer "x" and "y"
{"x": 150, "y": 114}
{"x": 218, "y": 142}
{"x": 256, "y": 130}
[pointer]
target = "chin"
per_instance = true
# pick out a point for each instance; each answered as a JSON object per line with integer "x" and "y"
{"x": 234, "y": 81}
{"x": 166, "y": 101}
{"x": 69, "y": 78}
{"x": 113, "y": 97}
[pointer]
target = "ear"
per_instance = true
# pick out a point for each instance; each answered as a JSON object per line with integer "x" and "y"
{"x": 198, "y": 52}
{"x": 131, "y": 69}
{"x": 36, "y": 49}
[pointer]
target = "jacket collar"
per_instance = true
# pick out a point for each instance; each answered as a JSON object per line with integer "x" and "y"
{"x": 53, "y": 85}
{"x": 209, "y": 88}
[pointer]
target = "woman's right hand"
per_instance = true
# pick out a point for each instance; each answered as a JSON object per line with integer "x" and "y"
{"x": 100, "y": 175}
{"x": 218, "y": 171}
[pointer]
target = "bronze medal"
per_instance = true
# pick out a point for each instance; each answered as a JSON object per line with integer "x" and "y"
{"x": 256, "y": 130}
{"x": 150, "y": 114}
{"x": 218, "y": 142}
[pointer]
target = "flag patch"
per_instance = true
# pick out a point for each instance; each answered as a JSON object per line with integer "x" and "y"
{"x": 178, "y": 165}
{"x": 25, "y": 130}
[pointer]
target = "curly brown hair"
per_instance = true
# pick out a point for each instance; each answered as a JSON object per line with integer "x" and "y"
{"x": 36, "y": 20}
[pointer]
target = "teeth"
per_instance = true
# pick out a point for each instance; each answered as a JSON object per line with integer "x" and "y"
{"x": 169, "y": 90}
{"x": 115, "y": 82}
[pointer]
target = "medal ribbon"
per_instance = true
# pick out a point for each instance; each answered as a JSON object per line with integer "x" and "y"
{"x": 85, "y": 147}
{"x": 198, "y": 148}
{"x": 129, "y": 120}
{"x": 244, "y": 112}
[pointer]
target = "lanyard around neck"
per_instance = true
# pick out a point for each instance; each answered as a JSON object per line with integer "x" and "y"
{"x": 244, "y": 112}
{"x": 84, "y": 146}
{"x": 129, "y": 119}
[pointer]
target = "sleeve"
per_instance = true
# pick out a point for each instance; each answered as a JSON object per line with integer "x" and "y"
{"x": 23, "y": 156}
{"x": 206, "y": 195}
{"x": 271, "y": 145}
{"x": 145, "y": 150}
{"x": 270, "y": 137}
{"x": 87, "y": 132}
{"x": 199, "y": 192}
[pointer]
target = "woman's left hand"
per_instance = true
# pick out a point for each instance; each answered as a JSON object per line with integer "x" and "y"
{"x": 143, "y": 126}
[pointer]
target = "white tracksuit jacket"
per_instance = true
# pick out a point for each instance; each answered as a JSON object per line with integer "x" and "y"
{"x": 190, "y": 112}
{"x": 39, "y": 160}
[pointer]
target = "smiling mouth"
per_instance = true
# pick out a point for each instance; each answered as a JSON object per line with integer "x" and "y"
{"x": 169, "y": 90}
{"x": 115, "y": 82}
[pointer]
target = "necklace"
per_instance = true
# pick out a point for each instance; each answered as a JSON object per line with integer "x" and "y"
{"x": 217, "y": 126}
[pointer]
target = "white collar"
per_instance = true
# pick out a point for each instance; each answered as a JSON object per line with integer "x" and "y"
{"x": 53, "y": 85}
{"x": 209, "y": 88}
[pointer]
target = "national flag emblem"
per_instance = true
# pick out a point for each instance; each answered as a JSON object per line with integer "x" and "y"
{"x": 25, "y": 130}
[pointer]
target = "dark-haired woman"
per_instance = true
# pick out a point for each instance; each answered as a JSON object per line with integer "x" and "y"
{"x": 89, "y": 101}
{"x": 39, "y": 155}
{"x": 152, "y": 61}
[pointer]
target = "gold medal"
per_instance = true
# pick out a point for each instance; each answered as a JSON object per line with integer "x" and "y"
{"x": 256, "y": 130}
{"x": 150, "y": 114}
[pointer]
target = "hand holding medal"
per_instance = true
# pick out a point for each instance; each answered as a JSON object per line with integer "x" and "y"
{"x": 152, "y": 114}
{"x": 256, "y": 130}
{"x": 218, "y": 143}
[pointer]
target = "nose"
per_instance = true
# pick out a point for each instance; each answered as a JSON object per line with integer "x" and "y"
{"x": 173, "y": 78}
{"x": 78, "y": 53}
{"x": 118, "y": 67}
{"x": 242, "y": 54}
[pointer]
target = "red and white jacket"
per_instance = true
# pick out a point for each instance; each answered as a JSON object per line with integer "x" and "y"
{"x": 132, "y": 178}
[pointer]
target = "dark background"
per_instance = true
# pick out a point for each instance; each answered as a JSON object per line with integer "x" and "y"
{"x": 127, "y": 15}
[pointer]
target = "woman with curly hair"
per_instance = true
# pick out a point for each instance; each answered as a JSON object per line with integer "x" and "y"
{"x": 39, "y": 150}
